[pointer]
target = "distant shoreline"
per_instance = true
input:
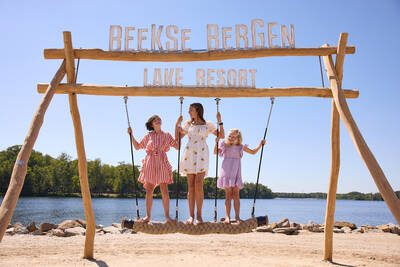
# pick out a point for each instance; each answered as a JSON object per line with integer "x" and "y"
{"x": 317, "y": 195}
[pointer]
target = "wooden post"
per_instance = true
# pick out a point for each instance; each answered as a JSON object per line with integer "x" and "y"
{"x": 194, "y": 91}
{"x": 80, "y": 147}
{"x": 375, "y": 170}
{"x": 335, "y": 156}
{"x": 21, "y": 163}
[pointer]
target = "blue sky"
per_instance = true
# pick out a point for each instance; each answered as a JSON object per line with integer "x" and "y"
{"x": 297, "y": 155}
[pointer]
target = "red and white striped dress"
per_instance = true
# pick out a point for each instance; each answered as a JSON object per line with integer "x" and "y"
{"x": 156, "y": 168}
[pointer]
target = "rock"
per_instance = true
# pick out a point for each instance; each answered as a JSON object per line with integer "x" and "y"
{"x": 10, "y": 231}
{"x": 281, "y": 222}
{"x": 83, "y": 223}
{"x": 21, "y": 230}
{"x": 117, "y": 225}
{"x": 32, "y": 227}
{"x": 338, "y": 230}
{"x": 384, "y": 227}
{"x": 9, "y": 226}
{"x": 37, "y": 232}
{"x": 111, "y": 230}
{"x": 273, "y": 225}
{"x": 69, "y": 224}
{"x": 264, "y": 228}
{"x": 352, "y": 226}
{"x": 295, "y": 225}
{"x": 358, "y": 230}
{"x": 100, "y": 226}
{"x": 393, "y": 228}
{"x": 346, "y": 229}
{"x": 285, "y": 224}
{"x": 286, "y": 230}
{"x": 127, "y": 231}
{"x": 75, "y": 231}
{"x": 56, "y": 232}
{"x": 45, "y": 227}
{"x": 18, "y": 224}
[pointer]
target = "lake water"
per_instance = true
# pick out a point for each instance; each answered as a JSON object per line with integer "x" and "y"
{"x": 109, "y": 210}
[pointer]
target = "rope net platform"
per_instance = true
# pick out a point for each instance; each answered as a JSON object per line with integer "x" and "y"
{"x": 158, "y": 228}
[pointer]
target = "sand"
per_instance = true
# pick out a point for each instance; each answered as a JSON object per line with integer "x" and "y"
{"x": 250, "y": 249}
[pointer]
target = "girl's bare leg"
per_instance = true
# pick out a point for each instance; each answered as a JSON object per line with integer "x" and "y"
{"x": 149, "y": 202}
{"x": 236, "y": 203}
{"x": 228, "y": 200}
{"x": 199, "y": 178}
{"x": 191, "y": 197}
{"x": 165, "y": 201}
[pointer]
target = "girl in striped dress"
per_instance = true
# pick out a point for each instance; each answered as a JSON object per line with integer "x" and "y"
{"x": 156, "y": 169}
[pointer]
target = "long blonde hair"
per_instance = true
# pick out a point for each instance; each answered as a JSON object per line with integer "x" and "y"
{"x": 238, "y": 135}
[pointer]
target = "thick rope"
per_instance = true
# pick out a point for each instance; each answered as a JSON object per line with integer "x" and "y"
{"x": 179, "y": 159}
{"x": 216, "y": 165}
{"x": 133, "y": 162}
{"x": 322, "y": 75}
{"x": 197, "y": 229}
{"x": 261, "y": 154}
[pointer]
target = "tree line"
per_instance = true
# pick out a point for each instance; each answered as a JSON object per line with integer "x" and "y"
{"x": 48, "y": 176}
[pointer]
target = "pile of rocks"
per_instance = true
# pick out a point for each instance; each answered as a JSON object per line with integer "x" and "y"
{"x": 291, "y": 228}
{"x": 64, "y": 229}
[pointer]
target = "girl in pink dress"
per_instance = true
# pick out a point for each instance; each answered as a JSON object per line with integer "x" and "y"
{"x": 230, "y": 176}
{"x": 156, "y": 169}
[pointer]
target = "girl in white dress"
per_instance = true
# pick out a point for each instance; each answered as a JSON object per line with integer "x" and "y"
{"x": 195, "y": 159}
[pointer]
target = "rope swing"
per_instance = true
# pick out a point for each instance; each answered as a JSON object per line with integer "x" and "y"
{"x": 261, "y": 155}
{"x": 216, "y": 165}
{"x": 133, "y": 162}
{"x": 179, "y": 159}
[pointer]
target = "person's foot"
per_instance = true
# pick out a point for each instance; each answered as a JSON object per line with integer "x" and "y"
{"x": 144, "y": 220}
{"x": 189, "y": 221}
{"x": 199, "y": 220}
{"x": 227, "y": 220}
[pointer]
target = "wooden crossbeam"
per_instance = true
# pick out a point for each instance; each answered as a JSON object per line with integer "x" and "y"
{"x": 203, "y": 55}
{"x": 194, "y": 91}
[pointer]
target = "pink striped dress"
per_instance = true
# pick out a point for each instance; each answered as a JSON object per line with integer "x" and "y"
{"x": 156, "y": 168}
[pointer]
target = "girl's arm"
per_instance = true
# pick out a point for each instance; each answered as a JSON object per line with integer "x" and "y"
{"x": 179, "y": 129}
{"x": 255, "y": 150}
{"x": 221, "y": 127}
{"x": 134, "y": 142}
{"x": 216, "y": 149}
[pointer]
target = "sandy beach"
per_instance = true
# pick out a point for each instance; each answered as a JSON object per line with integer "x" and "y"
{"x": 250, "y": 249}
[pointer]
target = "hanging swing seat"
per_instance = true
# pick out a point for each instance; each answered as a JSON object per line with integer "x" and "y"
{"x": 158, "y": 228}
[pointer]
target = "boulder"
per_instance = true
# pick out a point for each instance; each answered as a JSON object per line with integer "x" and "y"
{"x": 10, "y": 231}
{"x": 358, "y": 230}
{"x": 32, "y": 227}
{"x": 264, "y": 228}
{"x": 75, "y": 231}
{"x": 384, "y": 227}
{"x": 285, "y": 224}
{"x": 37, "y": 232}
{"x": 100, "y": 226}
{"x": 18, "y": 224}
{"x": 116, "y": 225}
{"x": 127, "y": 231}
{"x": 286, "y": 230}
{"x": 83, "y": 223}
{"x": 281, "y": 222}
{"x": 393, "y": 228}
{"x": 295, "y": 225}
{"x": 45, "y": 227}
{"x": 21, "y": 230}
{"x": 9, "y": 226}
{"x": 352, "y": 226}
{"x": 111, "y": 230}
{"x": 56, "y": 232}
{"x": 338, "y": 230}
{"x": 70, "y": 224}
{"x": 346, "y": 229}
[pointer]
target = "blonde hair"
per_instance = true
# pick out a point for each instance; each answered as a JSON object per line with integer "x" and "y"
{"x": 238, "y": 135}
